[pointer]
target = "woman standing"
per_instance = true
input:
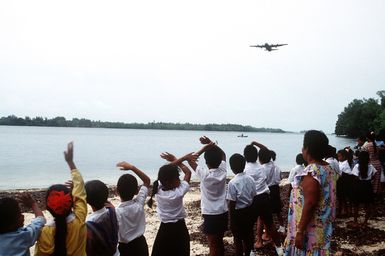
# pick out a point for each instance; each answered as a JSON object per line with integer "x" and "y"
{"x": 371, "y": 147}
{"x": 312, "y": 201}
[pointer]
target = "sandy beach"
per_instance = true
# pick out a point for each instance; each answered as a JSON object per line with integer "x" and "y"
{"x": 362, "y": 241}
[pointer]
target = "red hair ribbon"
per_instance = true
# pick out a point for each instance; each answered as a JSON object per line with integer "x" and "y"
{"x": 59, "y": 202}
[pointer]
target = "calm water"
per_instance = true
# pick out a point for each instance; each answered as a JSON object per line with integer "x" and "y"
{"x": 32, "y": 157}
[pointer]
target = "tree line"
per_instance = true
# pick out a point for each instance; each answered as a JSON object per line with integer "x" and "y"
{"x": 82, "y": 122}
{"x": 362, "y": 116}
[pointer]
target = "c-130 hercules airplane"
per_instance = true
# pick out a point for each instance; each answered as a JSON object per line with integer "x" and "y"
{"x": 268, "y": 47}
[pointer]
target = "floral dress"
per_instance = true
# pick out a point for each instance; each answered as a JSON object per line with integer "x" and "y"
{"x": 374, "y": 160}
{"x": 319, "y": 230}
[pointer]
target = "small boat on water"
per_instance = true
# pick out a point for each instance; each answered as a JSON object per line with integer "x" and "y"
{"x": 242, "y": 136}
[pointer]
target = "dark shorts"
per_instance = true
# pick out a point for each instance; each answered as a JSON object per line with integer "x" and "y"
{"x": 138, "y": 246}
{"x": 172, "y": 239}
{"x": 215, "y": 224}
{"x": 243, "y": 222}
{"x": 364, "y": 192}
{"x": 262, "y": 208}
{"x": 275, "y": 199}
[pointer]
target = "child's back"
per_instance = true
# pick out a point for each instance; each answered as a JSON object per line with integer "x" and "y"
{"x": 14, "y": 239}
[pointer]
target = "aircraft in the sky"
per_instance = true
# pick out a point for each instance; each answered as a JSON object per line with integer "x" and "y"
{"x": 268, "y": 47}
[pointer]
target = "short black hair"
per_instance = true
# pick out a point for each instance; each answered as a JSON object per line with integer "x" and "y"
{"x": 237, "y": 163}
{"x": 273, "y": 155}
{"x": 316, "y": 143}
{"x": 264, "y": 155}
{"x": 9, "y": 214}
{"x": 127, "y": 187}
{"x": 97, "y": 193}
{"x": 250, "y": 153}
{"x": 213, "y": 157}
{"x": 331, "y": 152}
{"x": 299, "y": 159}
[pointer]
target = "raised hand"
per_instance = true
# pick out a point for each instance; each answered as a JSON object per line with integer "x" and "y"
{"x": 69, "y": 184}
{"x": 204, "y": 140}
{"x": 168, "y": 156}
{"x": 124, "y": 166}
{"x": 191, "y": 157}
{"x": 69, "y": 154}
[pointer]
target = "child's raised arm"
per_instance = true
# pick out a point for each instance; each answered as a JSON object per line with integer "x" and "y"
{"x": 259, "y": 145}
{"x": 127, "y": 166}
{"x": 78, "y": 190}
{"x": 190, "y": 157}
{"x": 29, "y": 202}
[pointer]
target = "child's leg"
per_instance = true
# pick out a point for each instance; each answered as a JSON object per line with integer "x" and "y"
{"x": 238, "y": 245}
{"x": 259, "y": 242}
{"x": 367, "y": 213}
{"x": 216, "y": 244}
{"x": 248, "y": 242}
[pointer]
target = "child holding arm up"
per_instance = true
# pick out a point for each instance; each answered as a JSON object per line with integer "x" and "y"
{"x": 130, "y": 212}
{"x": 67, "y": 234}
{"x": 172, "y": 238}
{"x": 213, "y": 194}
{"x": 14, "y": 239}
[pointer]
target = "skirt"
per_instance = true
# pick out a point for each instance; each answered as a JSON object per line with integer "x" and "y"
{"x": 172, "y": 239}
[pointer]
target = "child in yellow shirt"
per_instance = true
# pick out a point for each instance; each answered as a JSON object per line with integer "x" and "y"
{"x": 68, "y": 233}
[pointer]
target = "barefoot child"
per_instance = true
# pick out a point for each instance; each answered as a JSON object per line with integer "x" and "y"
{"x": 130, "y": 212}
{"x": 67, "y": 234}
{"x": 102, "y": 225}
{"x": 241, "y": 193}
{"x": 172, "y": 238}
{"x": 14, "y": 239}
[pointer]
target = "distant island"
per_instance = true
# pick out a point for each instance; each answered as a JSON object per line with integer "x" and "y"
{"x": 82, "y": 122}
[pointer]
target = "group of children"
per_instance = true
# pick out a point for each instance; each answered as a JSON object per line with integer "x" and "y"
{"x": 251, "y": 197}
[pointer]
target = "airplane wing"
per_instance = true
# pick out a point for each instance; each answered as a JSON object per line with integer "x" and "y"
{"x": 260, "y": 46}
{"x": 277, "y": 45}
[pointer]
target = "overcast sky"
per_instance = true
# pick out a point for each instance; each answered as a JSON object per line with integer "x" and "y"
{"x": 190, "y": 61}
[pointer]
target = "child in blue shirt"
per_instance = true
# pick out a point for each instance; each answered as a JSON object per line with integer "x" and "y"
{"x": 14, "y": 239}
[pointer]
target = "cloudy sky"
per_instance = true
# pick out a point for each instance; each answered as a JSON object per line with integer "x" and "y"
{"x": 190, "y": 61}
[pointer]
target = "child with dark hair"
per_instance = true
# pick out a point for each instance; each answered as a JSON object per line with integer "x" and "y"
{"x": 273, "y": 178}
{"x": 213, "y": 194}
{"x": 364, "y": 191}
{"x": 67, "y": 234}
{"x": 241, "y": 193}
{"x": 331, "y": 158}
{"x": 298, "y": 168}
{"x": 14, "y": 239}
{"x": 102, "y": 225}
{"x": 172, "y": 238}
{"x": 130, "y": 212}
{"x": 344, "y": 184}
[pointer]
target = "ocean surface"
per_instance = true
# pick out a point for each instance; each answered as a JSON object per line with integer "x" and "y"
{"x": 32, "y": 157}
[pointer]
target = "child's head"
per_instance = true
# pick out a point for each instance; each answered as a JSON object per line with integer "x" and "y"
{"x": 342, "y": 155}
{"x": 315, "y": 145}
{"x": 10, "y": 215}
{"x": 59, "y": 204}
{"x": 273, "y": 155}
{"x": 168, "y": 176}
{"x": 97, "y": 194}
{"x": 250, "y": 153}
{"x": 264, "y": 155}
{"x": 237, "y": 163}
{"x": 213, "y": 157}
{"x": 331, "y": 152}
{"x": 127, "y": 187}
{"x": 299, "y": 159}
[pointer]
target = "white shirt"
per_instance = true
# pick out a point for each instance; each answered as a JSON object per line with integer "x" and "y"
{"x": 371, "y": 171}
{"x": 297, "y": 169}
{"x": 334, "y": 165}
{"x": 256, "y": 172}
{"x": 170, "y": 203}
{"x": 131, "y": 219}
{"x": 345, "y": 167}
{"x": 269, "y": 170}
{"x": 241, "y": 190}
{"x": 277, "y": 174}
{"x": 213, "y": 189}
{"x": 96, "y": 214}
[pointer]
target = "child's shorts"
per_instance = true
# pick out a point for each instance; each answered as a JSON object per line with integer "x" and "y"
{"x": 215, "y": 224}
{"x": 262, "y": 208}
{"x": 243, "y": 220}
{"x": 275, "y": 199}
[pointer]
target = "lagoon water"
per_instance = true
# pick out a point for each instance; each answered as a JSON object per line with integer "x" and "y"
{"x": 32, "y": 157}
